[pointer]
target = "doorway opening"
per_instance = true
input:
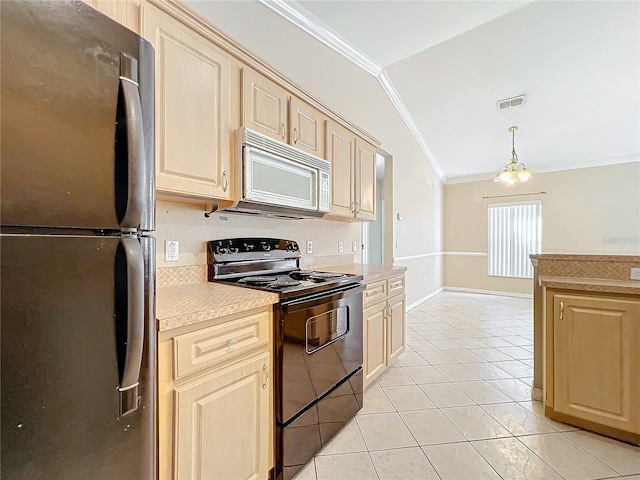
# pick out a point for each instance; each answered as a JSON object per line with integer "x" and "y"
{"x": 377, "y": 236}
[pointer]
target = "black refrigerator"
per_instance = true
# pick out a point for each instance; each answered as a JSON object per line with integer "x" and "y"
{"x": 78, "y": 274}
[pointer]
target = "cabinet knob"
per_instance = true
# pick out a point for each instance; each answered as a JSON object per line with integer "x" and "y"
{"x": 284, "y": 132}
{"x": 561, "y": 310}
{"x": 232, "y": 342}
{"x": 295, "y": 135}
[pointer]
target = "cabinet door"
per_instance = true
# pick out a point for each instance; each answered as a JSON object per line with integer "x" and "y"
{"x": 115, "y": 9}
{"x": 597, "y": 360}
{"x": 306, "y": 126}
{"x": 222, "y": 423}
{"x": 192, "y": 109}
{"x": 395, "y": 328}
{"x": 365, "y": 180}
{"x": 264, "y": 105}
{"x": 340, "y": 151}
{"x": 374, "y": 342}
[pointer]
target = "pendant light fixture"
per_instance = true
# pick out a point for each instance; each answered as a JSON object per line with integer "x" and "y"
{"x": 514, "y": 171}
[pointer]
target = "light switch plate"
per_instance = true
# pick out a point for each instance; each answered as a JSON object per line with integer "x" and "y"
{"x": 340, "y": 246}
{"x": 635, "y": 274}
{"x": 171, "y": 251}
{"x": 309, "y": 246}
{"x": 354, "y": 246}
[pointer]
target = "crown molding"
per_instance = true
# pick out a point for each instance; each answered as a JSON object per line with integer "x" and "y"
{"x": 402, "y": 109}
{"x": 317, "y": 29}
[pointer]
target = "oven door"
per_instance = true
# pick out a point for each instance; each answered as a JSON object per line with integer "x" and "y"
{"x": 318, "y": 345}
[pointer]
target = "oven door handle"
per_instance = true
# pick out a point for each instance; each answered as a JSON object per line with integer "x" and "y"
{"x": 340, "y": 293}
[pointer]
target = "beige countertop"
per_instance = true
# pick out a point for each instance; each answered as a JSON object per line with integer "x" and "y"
{"x": 591, "y": 284}
{"x": 370, "y": 273}
{"x": 183, "y": 305}
{"x": 585, "y": 257}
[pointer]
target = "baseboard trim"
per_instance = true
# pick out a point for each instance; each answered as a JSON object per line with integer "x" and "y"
{"x": 536, "y": 394}
{"x": 423, "y": 299}
{"x": 489, "y": 292}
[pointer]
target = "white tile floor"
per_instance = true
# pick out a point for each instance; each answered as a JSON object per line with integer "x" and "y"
{"x": 456, "y": 405}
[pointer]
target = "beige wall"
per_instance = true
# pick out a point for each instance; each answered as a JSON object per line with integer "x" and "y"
{"x": 187, "y": 224}
{"x": 589, "y": 210}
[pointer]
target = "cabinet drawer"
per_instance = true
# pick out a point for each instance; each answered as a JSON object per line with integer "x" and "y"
{"x": 209, "y": 346}
{"x": 395, "y": 285}
{"x": 375, "y": 292}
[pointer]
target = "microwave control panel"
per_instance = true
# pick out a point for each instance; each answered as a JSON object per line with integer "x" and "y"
{"x": 325, "y": 192}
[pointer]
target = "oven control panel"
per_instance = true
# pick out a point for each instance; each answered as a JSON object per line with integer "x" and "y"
{"x": 237, "y": 249}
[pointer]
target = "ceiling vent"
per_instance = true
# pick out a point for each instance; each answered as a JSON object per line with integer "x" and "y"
{"x": 510, "y": 102}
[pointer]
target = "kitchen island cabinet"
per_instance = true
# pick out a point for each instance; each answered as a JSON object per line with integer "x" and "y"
{"x": 593, "y": 361}
{"x": 587, "y": 342}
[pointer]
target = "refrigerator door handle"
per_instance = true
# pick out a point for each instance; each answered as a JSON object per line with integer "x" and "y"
{"x": 136, "y": 160}
{"x": 135, "y": 325}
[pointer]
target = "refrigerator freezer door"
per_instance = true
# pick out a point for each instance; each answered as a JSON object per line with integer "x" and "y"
{"x": 65, "y": 329}
{"x": 75, "y": 142}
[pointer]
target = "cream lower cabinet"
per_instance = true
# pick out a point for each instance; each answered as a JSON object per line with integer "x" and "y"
{"x": 353, "y": 177}
{"x": 215, "y": 399}
{"x": 384, "y": 326}
{"x": 593, "y": 361}
{"x": 193, "y": 98}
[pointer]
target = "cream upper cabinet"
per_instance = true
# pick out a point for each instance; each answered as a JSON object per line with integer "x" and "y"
{"x": 306, "y": 127}
{"x": 596, "y": 360}
{"x": 193, "y": 92}
{"x": 365, "y": 180}
{"x": 340, "y": 151}
{"x": 264, "y": 105}
{"x": 125, "y": 12}
{"x": 353, "y": 172}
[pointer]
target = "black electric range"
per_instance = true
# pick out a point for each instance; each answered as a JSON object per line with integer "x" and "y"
{"x": 318, "y": 338}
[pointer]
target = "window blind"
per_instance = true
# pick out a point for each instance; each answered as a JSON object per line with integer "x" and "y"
{"x": 514, "y": 233}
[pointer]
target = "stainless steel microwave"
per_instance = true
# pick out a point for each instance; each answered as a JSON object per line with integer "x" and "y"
{"x": 280, "y": 180}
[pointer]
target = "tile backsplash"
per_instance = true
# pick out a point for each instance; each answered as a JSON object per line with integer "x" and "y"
{"x": 186, "y": 224}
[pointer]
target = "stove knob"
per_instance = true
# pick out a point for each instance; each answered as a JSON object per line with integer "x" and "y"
{"x": 266, "y": 246}
{"x": 223, "y": 250}
{"x": 234, "y": 250}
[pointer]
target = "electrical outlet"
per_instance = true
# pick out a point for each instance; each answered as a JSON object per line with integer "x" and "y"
{"x": 354, "y": 246}
{"x": 171, "y": 251}
{"x": 309, "y": 246}
{"x": 635, "y": 274}
{"x": 340, "y": 246}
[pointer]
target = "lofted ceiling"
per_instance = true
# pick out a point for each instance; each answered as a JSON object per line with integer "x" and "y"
{"x": 449, "y": 62}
